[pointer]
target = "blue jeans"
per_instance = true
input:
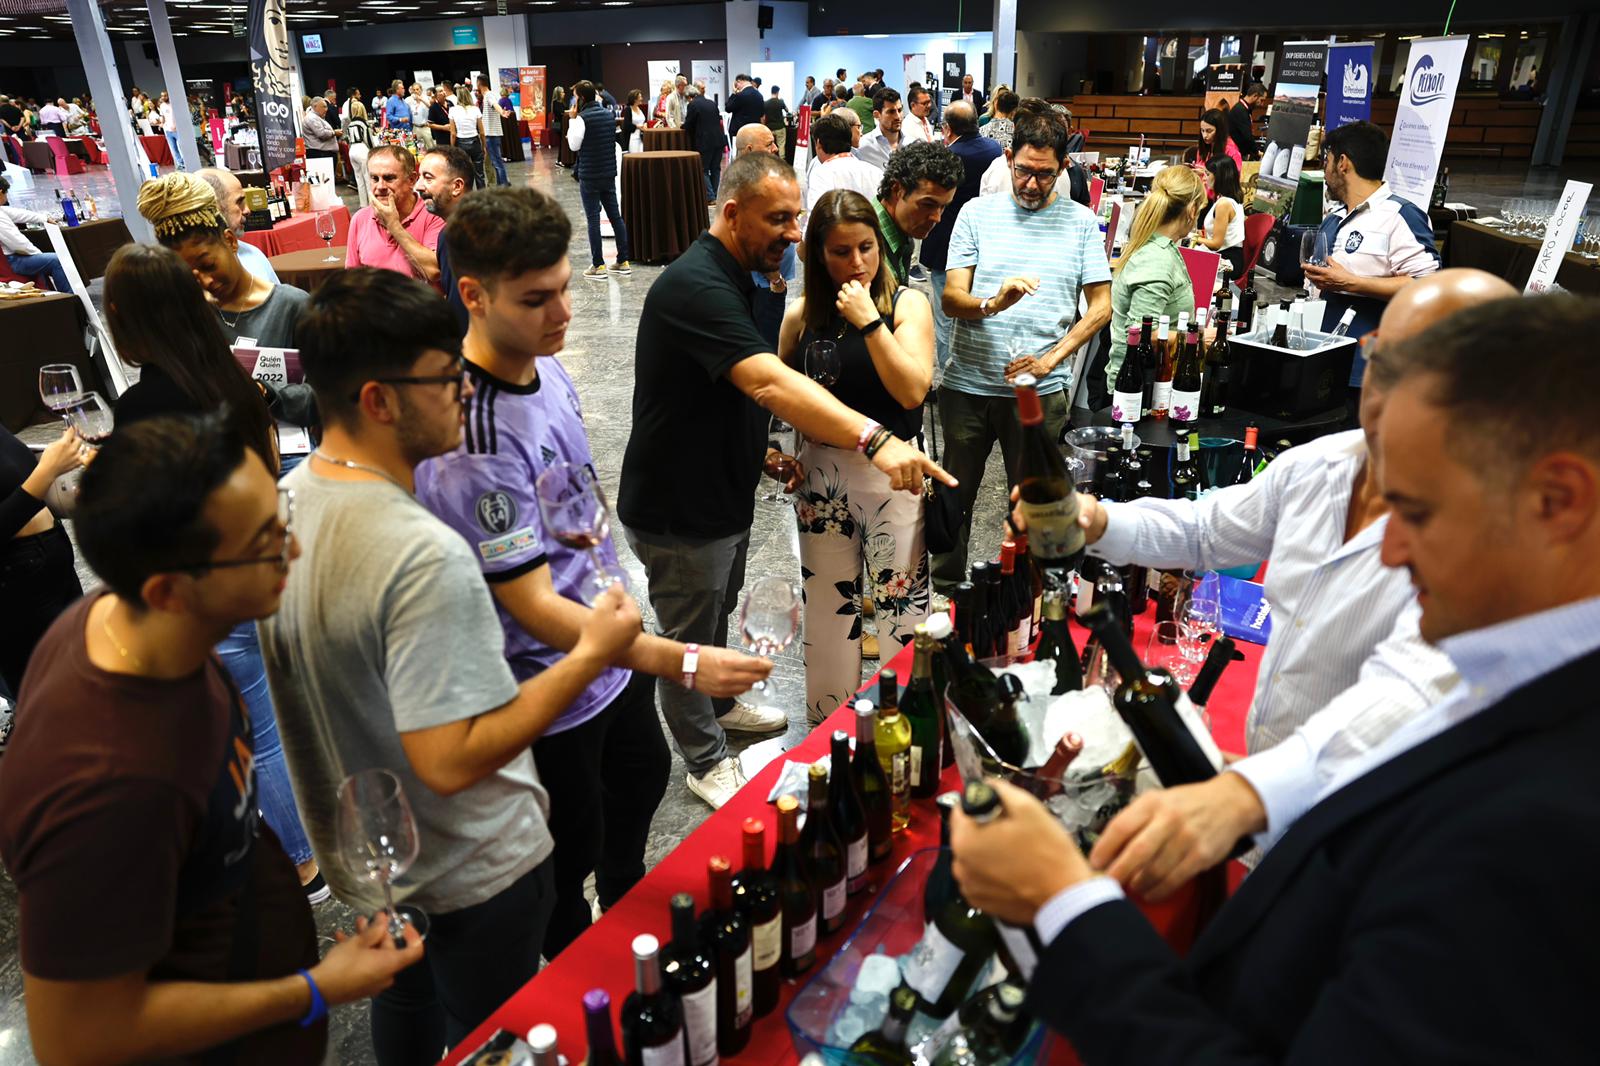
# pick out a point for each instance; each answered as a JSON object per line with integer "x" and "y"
{"x": 595, "y": 195}
{"x": 240, "y": 652}
{"x": 943, "y": 327}
{"x": 712, "y": 168}
{"x": 177, "y": 156}
{"x": 44, "y": 263}
{"x": 499, "y": 164}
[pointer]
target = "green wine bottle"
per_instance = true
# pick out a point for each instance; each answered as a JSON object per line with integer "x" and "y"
{"x": 886, "y": 1045}
{"x": 924, "y": 711}
{"x": 873, "y": 783}
{"x": 958, "y": 940}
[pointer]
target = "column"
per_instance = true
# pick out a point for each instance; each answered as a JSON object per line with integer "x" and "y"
{"x": 100, "y": 67}
{"x": 172, "y": 79}
{"x": 505, "y": 39}
{"x": 744, "y": 39}
{"x": 1577, "y": 43}
{"x": 1003, "y": 71}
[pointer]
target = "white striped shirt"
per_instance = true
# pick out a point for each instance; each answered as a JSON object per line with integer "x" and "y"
{"x": 1333, "y": 603}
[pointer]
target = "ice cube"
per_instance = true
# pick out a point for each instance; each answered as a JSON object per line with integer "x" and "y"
{"x": 880, "y": 975}
{"x": 847, "y": 1030}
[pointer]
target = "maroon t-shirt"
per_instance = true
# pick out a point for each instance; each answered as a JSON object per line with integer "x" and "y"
{"x": 128, "y": 820}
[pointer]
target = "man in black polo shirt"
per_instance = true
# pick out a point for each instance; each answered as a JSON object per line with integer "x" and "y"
{"x": 705, "y": 381}
{"x": 1241, "y": 120}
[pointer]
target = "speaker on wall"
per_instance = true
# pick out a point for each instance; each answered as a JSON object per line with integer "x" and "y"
{"x": 764, "y": 17}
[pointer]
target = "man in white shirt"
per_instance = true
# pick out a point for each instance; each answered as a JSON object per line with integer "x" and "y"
{"x": 417, "y": 104}
{"x": 972, "y": 96}
{"x": 53, "y": 117}
{"x": 230, "y": 201}
{"x": 918, "y": 125}
{"x": 322, "y": 140}
{"x": 885, "y": 135}
{"x": 836, "y": 168}
{"x": 21, "y": 253}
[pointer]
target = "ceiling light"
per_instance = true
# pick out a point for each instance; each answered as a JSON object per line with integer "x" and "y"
{"x": 618, "y": 3}
{"x": 875, "y": 36}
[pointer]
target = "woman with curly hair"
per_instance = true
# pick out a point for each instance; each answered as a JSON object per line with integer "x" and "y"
{"x": 848, "y": 514}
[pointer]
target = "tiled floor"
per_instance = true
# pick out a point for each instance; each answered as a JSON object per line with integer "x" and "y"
{"x": 600, "y": 359}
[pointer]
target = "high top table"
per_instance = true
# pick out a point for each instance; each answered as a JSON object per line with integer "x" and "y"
{"x": 663, "y": 203}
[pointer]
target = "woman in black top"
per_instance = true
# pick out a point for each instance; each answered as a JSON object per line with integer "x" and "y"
{"x": 633, "y": 120}
{"x": 37, "y": 577}
{"x": 848, "y": 514}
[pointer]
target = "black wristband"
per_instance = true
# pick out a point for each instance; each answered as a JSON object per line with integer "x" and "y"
{"x": 879, "y": 439}
{"x": 872, "y": 327}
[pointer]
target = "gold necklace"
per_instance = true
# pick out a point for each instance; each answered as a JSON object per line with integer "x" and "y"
{"x": 105, "y": 626}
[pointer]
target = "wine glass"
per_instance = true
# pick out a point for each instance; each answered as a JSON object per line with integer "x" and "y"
{"x": 1313, "y": 248}
{"x": 822, "y": 363}
{"x": 576, "y": 515}
{"x": 91, "y": 417}
{"x": 1201, "y": 619}
{"x": 769, "y": 622}
{"x": 1591, "y": 236}
{"x": 1170, "y": 650}
{"x": 327, "y": 229}
{"x": 60, "y": 387}
{"x": 784, "y": 437}
{"x": 378, "y": 840}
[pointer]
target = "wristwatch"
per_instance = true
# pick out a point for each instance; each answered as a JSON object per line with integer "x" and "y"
{"x": 691, "y": 663}
{"x": 983, "y": 308}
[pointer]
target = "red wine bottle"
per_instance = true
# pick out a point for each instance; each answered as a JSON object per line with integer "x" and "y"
{"x": 1048, "y": 496}
{"x": 755, "y": 894}
{"x": 729, "y": 939}
{"x": 597, "y": 1028}
{"x": 1015, "y": 611}
{"x": 652, "y": 1016}
{"x": 1127, "y": 390}
{"x": 793, "y": 872}
{"x": 848, "y": 813}
{"x": 1186, "y": 384}
{"x": 690, "y": 970}
{"x": 820, "y": 843}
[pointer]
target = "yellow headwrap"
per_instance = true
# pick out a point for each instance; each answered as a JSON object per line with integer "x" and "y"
{"x": 179, "y": 202}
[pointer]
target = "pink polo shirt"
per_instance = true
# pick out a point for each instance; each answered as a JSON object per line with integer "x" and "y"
{"x": 371, "y": 245}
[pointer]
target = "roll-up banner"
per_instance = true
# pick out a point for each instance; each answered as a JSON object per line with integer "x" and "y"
{"x": 530, "y": 83}
{"x": 1423, "y": 117}
{"x": 1349, "y": 83}
{"x": 272, "y": 71}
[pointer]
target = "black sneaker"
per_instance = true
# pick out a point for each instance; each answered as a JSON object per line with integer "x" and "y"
{"x": 317, "y": 890}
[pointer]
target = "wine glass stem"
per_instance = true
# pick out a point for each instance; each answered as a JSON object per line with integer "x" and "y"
{"x": 597, "y": 559}
{"x": 397, "y": 925}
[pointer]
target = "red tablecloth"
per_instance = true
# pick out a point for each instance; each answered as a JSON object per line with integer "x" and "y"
{"x": 299, "y": 232}
{"x": 157, "y": 148}
{"x": 602, "y": 957}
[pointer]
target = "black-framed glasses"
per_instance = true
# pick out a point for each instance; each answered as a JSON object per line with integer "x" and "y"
{"x": 457, "y": 378}
{"x": 278, "y": 557}
{"x": 1045, "y": 178}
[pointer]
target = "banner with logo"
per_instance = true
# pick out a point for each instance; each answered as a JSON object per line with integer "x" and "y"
{"x": 1423, "y": 117}
{"x": 714, "y": 72}
{"x": 1224, "y": 85}
{"x": 272, "y": 72}
{"x": 1294, "y": 107}
{"x": 1558, "y": 235}
{"x": 1350, "y": 79}
{"x": 658, "y": 71}
{"x": 530, "y": 83}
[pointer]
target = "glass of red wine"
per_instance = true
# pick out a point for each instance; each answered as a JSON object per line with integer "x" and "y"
{"x": 91, "y": 417}
{"x": 780, "y": 465}
{"x": 328, "y": 229}
{"x": 822, "y": 363}
{"x": 576, "y": 516}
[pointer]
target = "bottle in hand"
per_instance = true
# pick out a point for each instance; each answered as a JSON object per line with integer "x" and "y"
{"x": 893, "y": 741}
{"x": 756, "y": 897}
{"x": 849, "y": 815}
{"x": 652, "y": 1017}
{"x": 1047, "y": 494}
{"x": 957, "y": 940}
{"x": 792, "y": 869}
{"x": 876, "y": 794}
{"x": 728, "y": 936}
{"x": 689, "y": 969}
{"x": 820, "y": 843}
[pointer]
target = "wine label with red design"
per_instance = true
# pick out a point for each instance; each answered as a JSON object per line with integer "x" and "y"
{"x": 833, "y": 899}
{"x": 1053, "y": 530}
{"x": 766, "y": 943}
{"x": 803, "y": 937}
{"x": 930, "y": 965}
{"x": 700, "y": 1024}
{"x": 1125, "y": 407}
{"x": 1185, "y": 406}
{"x": 856, "y": 863}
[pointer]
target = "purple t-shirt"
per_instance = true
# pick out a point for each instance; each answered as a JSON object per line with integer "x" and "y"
{"x": 484, "y": 491}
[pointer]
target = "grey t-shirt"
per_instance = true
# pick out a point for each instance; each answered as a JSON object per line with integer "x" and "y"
{"x": 272, "y": 324}
{"x": 387, "y": 627}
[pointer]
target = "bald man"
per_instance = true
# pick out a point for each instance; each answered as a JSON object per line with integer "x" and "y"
{"x": 772, "y": 288}
{"x": 230, "y": 199}
{"x": 1167, "y": 837}
{"x": 755, "y": 137}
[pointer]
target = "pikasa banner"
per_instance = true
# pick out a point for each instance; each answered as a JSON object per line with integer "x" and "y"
{"x": 1349, "y": 83}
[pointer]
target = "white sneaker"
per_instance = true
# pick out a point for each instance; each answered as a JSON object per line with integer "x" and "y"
{"x": 717, "y": 785}
{"x": 745, "y": 718}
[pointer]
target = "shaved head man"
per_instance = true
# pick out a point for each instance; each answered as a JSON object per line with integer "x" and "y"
{"x": 755, "y": 137}
{"x": 230, "y": 199}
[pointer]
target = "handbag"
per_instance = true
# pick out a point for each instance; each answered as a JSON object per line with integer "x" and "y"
{"x": 942, "y": 514}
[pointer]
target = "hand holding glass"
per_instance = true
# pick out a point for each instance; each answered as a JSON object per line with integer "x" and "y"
{"x": 91, "y": 417}
{"x": 576, "y": 516}
{"x": 377, "y": 836}
{"x": 769, "y": 622}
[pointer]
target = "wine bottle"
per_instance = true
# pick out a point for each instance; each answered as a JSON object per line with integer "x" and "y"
{"x": 1108, "y": 476}
{"x": 1033, "y": 580}
{"x": 972, "y": 689}
{"x": 1247, "y": 464}
{"x": 543, "y": 1043}
{"x": 1048, "y": 497}
{"x": 964, "y": 598}
{"x": 1223, "y": 651}
{"x": 757, "y": 896}
{"x": 1218, "y": 374}
{"x": 1245, "y": 306}
{"x": 1152, "y": 467}
{"x": 690, "y": 971}
{"x": 1055, "y": 644}
{"x": 998, "y": 1028}
{"x": 1136, "y": 576}
{"x": 1186, "y": 384}
{"x": 792, "y": 870}
{"x": 1151, "y": 367}
{"x": 597, "y": 1028}
{"x": 876, "y": 795}
{"x": 1142, "y": 701}
{"x": 1049, "y": 779}
{"x": 1161, "y": 392}
{"x": 886, "y": 1045}
{"x": 957, "y": 940}
{"x": 999, "y": 622}
{"x": 729, "y": 940}
{"x": 849, "y": 816}
{"x": 923, "y": 710}
{"x": 940, "y": 629}
{"x": 981, "y": 803}
{"x": 1127, "y": 389}
{"x": 981, "y": 632}
{"x": 892, "y": 738}
{"x": 820, "y": 844}
{"x": 1345, "y": 320}
{"x": 1015, "y": 612}
{"x": 1297, "y": 325}
{"x": 1279, "y": 338}
{"x": 1005, "y": 733}
{"x": 1186, "y": 472}
{"x": 652, "y": 1016}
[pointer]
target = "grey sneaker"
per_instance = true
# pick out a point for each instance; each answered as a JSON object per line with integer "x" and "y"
{"x": 717, "y": 785}
{"x": 745, "y": 718}
{"x": 623, "y": 267}
{"x": 596, "y": 272}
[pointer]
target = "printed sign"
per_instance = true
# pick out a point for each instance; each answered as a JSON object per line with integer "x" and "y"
{"x": 1558, "y": 236}
{"x": 1349, "y": 83}
{"x": 272, "y": 71}
{"x": 531, "y": 105}
{"x": 1421, "y": 120}
{"x": 461, "y": 36}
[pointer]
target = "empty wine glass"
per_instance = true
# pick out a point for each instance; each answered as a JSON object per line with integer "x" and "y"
{"x": 576, "y": 516}
{"x": 822, "y": 363}
{"x": 1314, "y": 248}
{"x": 1591, "y": 236}
{"x": 1170, "y": 649}
{"x": 378, "y": 840}
{"x": 785, "y": 438}
{"x": 60, "y": 387}
{"x": 1201, "y": 619}
{"x": 328, "y": 229}
{"x": 769, "y": 622}
{"x": 91, "y": 417}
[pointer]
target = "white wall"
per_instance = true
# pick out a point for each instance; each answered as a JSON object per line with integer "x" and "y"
{"x": 505, "y": 40}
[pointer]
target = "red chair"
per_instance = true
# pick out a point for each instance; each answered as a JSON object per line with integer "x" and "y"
{"x": 1256, "y": 228}
{"x": 1097, "y": 186}
{"x": 67, "y": 164}
{"x": 1203, "y": 266}
{"x": 97, "y": 155}
{"x": 1111, "y": 228}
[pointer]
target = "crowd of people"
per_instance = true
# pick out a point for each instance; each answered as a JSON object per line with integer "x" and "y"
{"x": 271, "y": 623}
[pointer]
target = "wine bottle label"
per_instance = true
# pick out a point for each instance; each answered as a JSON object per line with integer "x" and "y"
{"x": 1125, "y": 407}
{"x": 916, "y": 765}
{"x": 856, "y": 863}
{"x": 700, "y": 1024}
{"x": 1017, "y": 641}
{"x": 1022, "y": 953}
{"x": 803, "y": 937}
{"x": 900, "y": 772}
{"x": 766, "y": 943}
{"x": 1053, "y": 530}
{"x": 1185, "y": 405}
{"x": 930, "y": 965}
{"x": 668, "y": 1054}
{"x": 744, "y": 984}
{"x": 833, "y": 899}
{"x": 1161, "y": 396}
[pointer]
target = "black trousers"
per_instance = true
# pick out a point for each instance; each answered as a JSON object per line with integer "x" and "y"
{"x": 473, "y": 146}
{"x": 605, "y": 778}
{"x": 37, "y": 583}
{"x": 476, "y": 959}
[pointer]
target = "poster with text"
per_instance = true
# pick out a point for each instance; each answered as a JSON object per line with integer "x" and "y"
{"x": 1294, "y": 107}
{"x": 1426, "y": 99}
{"x": 1349, "y": 83}
{"x": 531, "y": 105}
{"x": 658, "y": 71}
{"x": 423, "y": 78}
{"x": 714, "y": 72}
{"x": 508, "y": 81}
{"x": 1224, "y": 83}
{"x": 951, "y": 70}
{"x": 272, "y": 72}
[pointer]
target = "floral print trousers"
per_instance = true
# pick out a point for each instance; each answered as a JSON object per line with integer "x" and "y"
{"x": 851, "y": 521}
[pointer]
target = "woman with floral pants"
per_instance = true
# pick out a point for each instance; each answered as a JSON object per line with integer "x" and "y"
{"x": 849, "y": 517}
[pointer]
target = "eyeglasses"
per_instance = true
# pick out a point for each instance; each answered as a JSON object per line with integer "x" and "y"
{"x": 279, "y": 557}
{"x": 1044, "y": 178}
{"x": 458, "y": 378}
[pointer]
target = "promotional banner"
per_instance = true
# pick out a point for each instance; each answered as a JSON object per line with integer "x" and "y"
{"x": 916, "y": 70}
{"x": 272, "y": 71}
{"x": 1349, "y": 83}
{"x": 530, "y": 81}
{"x": 1426, "y": 99}
{"x": 1294, "y": 107}
{"x": 658, "y": 71}
{"x": 1224, "y": 84}
{"x": 714, "y": 72}
{"x": 1558, "y": 234}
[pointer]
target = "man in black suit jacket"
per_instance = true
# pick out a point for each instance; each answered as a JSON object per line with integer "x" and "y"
{"x": 745, "y": 105}
{"x": 703, "y": 124}
{"x": 1436, "y": 904}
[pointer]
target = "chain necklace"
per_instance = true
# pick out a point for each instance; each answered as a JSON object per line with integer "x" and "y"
{"x": 128, "y": 656}
{"x": 353, "y": 465}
